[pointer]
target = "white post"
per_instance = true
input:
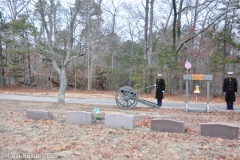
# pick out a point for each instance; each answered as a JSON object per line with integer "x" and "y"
{"x": 208, "y": 97}
{"x": 186, "y": 106}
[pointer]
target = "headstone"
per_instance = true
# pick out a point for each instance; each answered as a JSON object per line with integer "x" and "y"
{"x": 119, "y": 121}
{"x": 38, "y": 114}
{"x": 79, "y": 117}
{"x": 219, "y": 130}
{"x": 167, "y": 126}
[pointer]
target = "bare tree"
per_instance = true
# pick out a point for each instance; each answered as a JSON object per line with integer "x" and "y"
{"x": 15, "y": 7}
{"x": 91, "y": 13}
{"x": 113, "y": 11}
{"x": 59, "y": 55}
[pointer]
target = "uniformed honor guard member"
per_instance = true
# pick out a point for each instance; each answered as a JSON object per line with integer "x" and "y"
{"x": 160, "y": 88}
{"x": 230, "y": 90}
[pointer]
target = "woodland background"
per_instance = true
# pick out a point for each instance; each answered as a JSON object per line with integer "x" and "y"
{"x": 104, "y": 45}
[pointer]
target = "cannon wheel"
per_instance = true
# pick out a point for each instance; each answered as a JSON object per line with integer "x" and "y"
{"x": 126, "y": 98}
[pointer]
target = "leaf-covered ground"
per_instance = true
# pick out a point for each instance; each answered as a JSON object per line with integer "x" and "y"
{"x": 22, "y": 137}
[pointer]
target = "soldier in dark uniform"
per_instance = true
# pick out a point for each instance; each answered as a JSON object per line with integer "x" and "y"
{"x": 160, "y": 88}
{"x": 230, "y": 89}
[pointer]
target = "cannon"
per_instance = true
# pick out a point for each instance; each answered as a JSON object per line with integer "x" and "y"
{"x": 126, "y": 98}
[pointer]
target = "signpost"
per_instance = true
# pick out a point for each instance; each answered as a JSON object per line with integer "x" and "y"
{"x": 198, "y": 77}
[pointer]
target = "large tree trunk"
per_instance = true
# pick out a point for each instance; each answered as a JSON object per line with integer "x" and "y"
{"x": 63, "y": 85}
{"x": 225, "y": 43}
{"x": 2, "y": 79}
{"x": 174, "y": 25}
{"x": 90, "y": 70}
{"x": 29, "y": 72}
{"x": 144, "y": 83}
{"x": 150, "y": 34}
{"x": 179, "y": 20}
{"x": 173, "y": 41}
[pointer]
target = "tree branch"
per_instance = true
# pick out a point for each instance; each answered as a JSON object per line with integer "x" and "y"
{"x": 200, "y": 31}
{"x": 70, "y": 59}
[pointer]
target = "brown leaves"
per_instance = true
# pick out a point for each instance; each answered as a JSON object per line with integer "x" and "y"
{"x": 30, "y": 121}
{"x": 203, "y": 147}
{"x": 112, "y": 131}
{"x": 190, "y": 130}
{"x": 19, "y": 134}
{"x": 143, "y": 123}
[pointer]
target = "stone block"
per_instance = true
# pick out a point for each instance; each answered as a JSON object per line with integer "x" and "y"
{"x": 119, "y": 121}
{"x": 79, "y": 117}
{"x": 38, "y": 114}
{"x": 219, "y": 130}
{"x": 167, "y": 126}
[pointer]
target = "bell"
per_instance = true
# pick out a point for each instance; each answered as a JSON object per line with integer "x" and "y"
{"x": 197, "y": 90}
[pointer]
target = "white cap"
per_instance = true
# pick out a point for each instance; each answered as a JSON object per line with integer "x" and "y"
{"x": 159, "y": 75}
{"x": 230, "y": 73}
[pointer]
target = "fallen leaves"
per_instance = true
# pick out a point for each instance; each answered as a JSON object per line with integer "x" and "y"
{"x": 143, "y": 123}
{"x": 191, "y": 130}
{"x": 19, "y": 134}
{"x": 203, "y": 147}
